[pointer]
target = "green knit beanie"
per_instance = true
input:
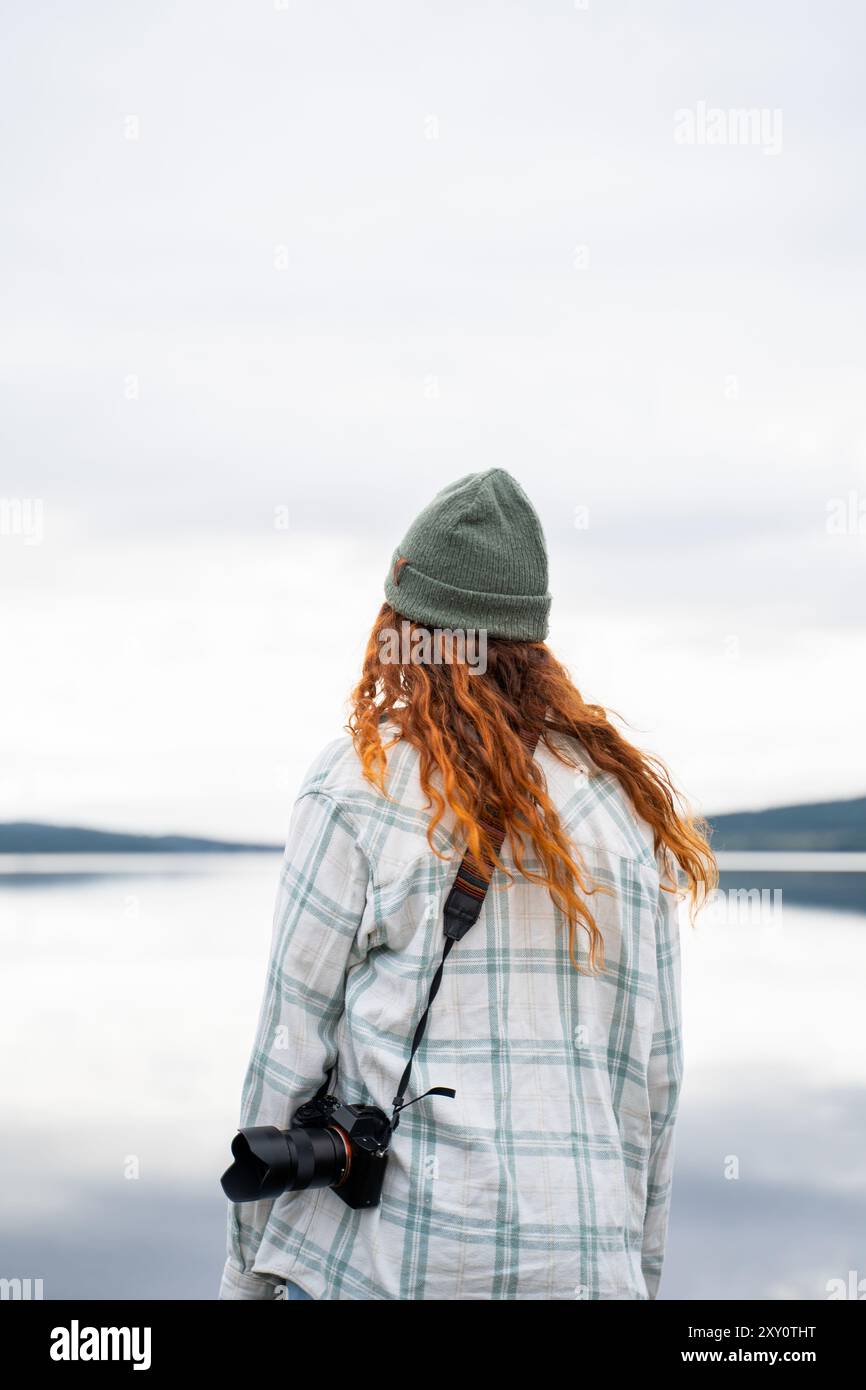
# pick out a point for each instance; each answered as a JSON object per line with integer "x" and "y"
{"x": 475, "y": 558}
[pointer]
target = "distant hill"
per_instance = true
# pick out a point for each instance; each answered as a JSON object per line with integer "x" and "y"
{"x": 818, "y": 825}
{"x": 30, "y": 837}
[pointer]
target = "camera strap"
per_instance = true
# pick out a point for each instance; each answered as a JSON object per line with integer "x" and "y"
{"x": 462, "y": 910}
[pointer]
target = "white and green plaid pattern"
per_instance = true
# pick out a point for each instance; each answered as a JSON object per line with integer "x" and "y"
{"x": 548, "y": 1176}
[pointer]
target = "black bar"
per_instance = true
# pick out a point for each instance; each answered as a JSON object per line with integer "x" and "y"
{"x": 264, "y": 1337}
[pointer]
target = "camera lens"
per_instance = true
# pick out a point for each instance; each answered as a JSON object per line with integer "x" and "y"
{"x": 319, "y": 1157}
{"x": 269, "y": 1161}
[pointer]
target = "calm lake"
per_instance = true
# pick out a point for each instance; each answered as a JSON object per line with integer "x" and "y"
{"x": 128, "y": 1002}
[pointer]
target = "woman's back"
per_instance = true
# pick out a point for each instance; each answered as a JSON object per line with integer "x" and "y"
{"x": 532, "y": 1181}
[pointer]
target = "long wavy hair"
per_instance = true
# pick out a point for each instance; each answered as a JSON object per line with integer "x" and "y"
{"x": 470, "y": 732}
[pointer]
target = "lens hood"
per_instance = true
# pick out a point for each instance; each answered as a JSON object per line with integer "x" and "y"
{"x": 264, "y": 1165}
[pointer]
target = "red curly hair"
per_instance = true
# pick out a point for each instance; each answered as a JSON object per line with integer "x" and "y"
{"x": 469, "y": 729}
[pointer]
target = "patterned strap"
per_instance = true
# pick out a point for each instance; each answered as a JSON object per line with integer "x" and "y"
{"x": 463, "y": 904}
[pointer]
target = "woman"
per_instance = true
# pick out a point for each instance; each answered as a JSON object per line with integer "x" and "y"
{"x": 547, "y": 1174}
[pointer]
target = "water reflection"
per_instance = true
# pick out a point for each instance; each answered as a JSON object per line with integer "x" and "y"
{"x": 128, "y": 1004}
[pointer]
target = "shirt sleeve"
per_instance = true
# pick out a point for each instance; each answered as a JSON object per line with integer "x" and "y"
{"x": 314, "y": 942}
{"x": 664, "y": 1079}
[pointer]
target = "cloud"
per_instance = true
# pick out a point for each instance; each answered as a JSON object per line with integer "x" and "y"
{"x": 328, "y": 261}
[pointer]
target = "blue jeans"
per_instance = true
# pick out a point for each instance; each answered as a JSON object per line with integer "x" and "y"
{"x": 295, "y": 1291}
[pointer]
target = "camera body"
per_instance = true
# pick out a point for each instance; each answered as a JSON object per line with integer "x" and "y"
{"x": 330, "y": 1144}
{"x": 367, "y": 1132}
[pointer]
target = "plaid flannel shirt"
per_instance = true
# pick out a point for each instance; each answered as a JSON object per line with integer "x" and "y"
{"x": 548, "y": 1176}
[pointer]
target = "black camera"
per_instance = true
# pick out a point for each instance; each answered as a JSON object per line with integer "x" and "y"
{"x": 330, "y": 1144}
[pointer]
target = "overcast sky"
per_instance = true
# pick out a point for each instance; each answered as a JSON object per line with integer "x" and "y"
{"x": 283, "y": 261}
